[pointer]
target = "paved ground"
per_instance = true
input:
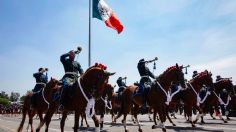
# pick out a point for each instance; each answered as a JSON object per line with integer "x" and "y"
{"x": 10, "y": 124}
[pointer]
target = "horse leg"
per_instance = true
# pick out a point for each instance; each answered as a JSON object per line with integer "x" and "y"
{"x": 76, "y": 125}
{"x": 62, "y": 123}
{"x": 135, "y": 113}
{"x": 168, "y": 116}
{"x": 82, "y": 120}
{"x": 154, "y": 118}
{"x": 101, "y": 121}
{"x": 31, "y": 115}
{"x": 24, "y": 111}
{"x": 96, "y": 123}
{"x": 200, "y": 114}
{"x": 220, "y": 116}
{"x": 162, "y": 115}
{"x": 124, "y": 122}
{"x": 84, "y": 115}
{"x": 47, "y": 118}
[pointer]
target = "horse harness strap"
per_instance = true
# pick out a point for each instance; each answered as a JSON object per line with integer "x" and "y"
{"x": 199, "y": 101}
{"x": 40, "y": 83}
{"x": 42, "y": 92}
{"x": 221, "y": 101}
{"x": 167, "y": 94}
{"x": 105, "y": 101}
{"x": 45, "y": 98}
{"x": 90, "y": 104}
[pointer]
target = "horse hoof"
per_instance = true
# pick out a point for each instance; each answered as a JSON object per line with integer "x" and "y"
{"x": 174, "y": 125}
{"x": 154, "y": 126}
{"x": 140, "y": 130}
{"x": 163, "y": 129}
{"x": 194, "y": 122}
{"x": 122, "y": 121}
{"x": 225, "y": 121}
{"x": 193, "y": 125}
{"x": 126, "y": 130}
{"x": 213, "y": 118}
{"x": 203, "y": 122}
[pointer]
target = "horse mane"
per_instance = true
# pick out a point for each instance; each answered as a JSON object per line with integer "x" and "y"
{"x": 223, "y": 80}
{"x": 97, "y": 65}
{"x": 169, "y": 69}
{"x": 200, "y": 75}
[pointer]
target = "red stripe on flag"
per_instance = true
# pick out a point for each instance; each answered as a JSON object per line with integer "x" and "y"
{"x": 114, "y": 23}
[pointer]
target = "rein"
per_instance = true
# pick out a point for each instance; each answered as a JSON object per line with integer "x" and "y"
{"x": 90, "y": 104}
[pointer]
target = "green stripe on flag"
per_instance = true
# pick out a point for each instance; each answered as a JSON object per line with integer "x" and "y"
{"x": 96, "y": 13}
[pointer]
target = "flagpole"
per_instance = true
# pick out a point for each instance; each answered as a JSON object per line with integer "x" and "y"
{"x": 89, "y": 52}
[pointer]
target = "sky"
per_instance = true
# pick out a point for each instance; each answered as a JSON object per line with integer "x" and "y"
{"x": 35, "y": 33}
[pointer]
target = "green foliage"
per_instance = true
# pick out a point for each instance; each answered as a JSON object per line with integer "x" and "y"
{"x": 4, "y": 101}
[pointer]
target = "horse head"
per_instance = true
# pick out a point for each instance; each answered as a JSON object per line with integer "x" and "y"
{"x": 95, "y": 78}
{"x": 225, "y": 84}
{"x": 175, "y": 74}
{"x": 53, "y": 83}
{"x": 204, "y": 78}
{"x": 108, "y": 91}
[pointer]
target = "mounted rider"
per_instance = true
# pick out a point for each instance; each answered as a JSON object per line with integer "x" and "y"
{"x": 122, "y": 85}
{"x": 145, "y": 74}
{"x": 41, "y": 81}
{"x": 218, "y": 78}
{"x": 70, "y": 79}
{"x": 195, "y": 73}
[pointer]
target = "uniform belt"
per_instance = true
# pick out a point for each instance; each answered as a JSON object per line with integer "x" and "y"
{"x": 73, "y": 73}
{"x": 144, "y": 76}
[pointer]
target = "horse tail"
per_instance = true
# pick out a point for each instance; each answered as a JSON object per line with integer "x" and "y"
{"x": 25, "y": 110}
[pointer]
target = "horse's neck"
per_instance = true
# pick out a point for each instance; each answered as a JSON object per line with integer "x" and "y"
{"x": 47, "y": 91}
{"x": 165, "y": 83}
{"x": 196, "y": 85}
{"x": 218, "y": 88}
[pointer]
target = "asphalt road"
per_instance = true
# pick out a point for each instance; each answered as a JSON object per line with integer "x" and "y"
{"x": 10, "y": 124}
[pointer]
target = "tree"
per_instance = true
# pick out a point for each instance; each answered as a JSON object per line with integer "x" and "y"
{"x": 4, "y": 101}
{"x": 14, "y": 96}
{"x": 4, "y": 95}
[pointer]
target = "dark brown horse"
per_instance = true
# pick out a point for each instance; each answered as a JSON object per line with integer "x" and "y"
{"x": 91, "y": 84}
{"x": 214, "y": 99}
{"x": 157, "y": 97}
{"x": 43, "y": 100}
{"x": 103, "y": 104}
{"x": 190, "y": 96}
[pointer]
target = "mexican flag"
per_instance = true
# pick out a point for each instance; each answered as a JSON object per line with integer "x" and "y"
{"x": 103, "y": 12}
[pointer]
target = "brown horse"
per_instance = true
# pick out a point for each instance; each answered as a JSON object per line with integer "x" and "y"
{"x": 102, "y": 104}
{"x": 190, "y": 96}
{"x": 213, "y": 99}
{"x": 91, "y": 84}
{"x": 41, "y": 106}
{"x": 156, "y": 97}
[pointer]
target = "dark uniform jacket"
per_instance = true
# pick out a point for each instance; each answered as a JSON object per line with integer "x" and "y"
{"x": 121, "y": 85}
{"x": 40, "y": 78}
{"x": 144, "y": 71}
{"x": 71, "y": 66}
